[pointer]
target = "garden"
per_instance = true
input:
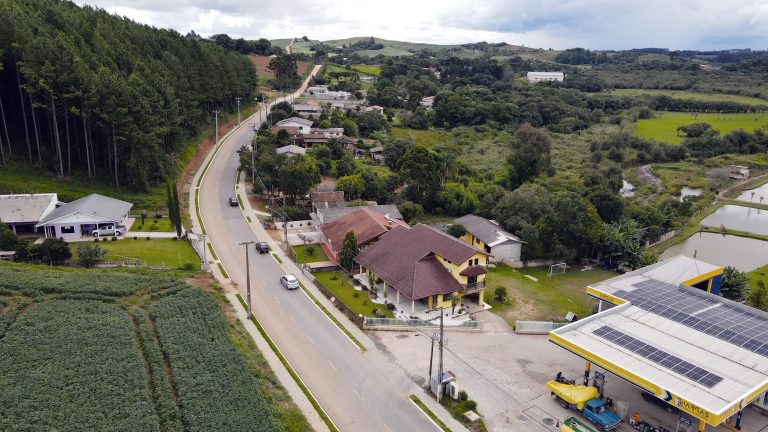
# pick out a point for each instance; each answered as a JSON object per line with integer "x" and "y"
{"x": 159, "y": 353}
{"x": 344, "y": 290}
{"x": 309, "y": 254}
{"x": 148, "y": 251}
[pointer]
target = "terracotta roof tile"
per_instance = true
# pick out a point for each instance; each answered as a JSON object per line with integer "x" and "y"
{"x": 366, "y": 224}
{"x": 475, "y": 270}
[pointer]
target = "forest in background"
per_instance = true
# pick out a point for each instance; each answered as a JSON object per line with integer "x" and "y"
{"x": 86, "y": 92}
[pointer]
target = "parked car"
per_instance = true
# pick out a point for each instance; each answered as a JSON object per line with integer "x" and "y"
{"x": 262, "y": 247}
{"x": 233, "y": 202}
{"x": 660, "y": 403}
{"x": 289, "y": 281}
{"x": 109, "y": 230}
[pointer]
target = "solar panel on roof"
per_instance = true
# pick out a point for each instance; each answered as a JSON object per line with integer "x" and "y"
{"x": 669, "y": 361}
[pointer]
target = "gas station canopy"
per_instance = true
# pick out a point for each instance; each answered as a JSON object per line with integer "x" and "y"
{"x": 696, "y": 350}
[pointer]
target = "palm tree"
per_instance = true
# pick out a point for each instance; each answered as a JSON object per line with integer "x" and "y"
{"x": 455, "y": 299}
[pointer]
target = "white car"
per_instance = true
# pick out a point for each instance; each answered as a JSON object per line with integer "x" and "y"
{"x": 289, "y": 281}
{"x": 109, "y": 229}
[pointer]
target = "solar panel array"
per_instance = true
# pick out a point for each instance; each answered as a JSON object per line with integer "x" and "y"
{"x": 669, "y": 361}
{"x": 701, "y": 313}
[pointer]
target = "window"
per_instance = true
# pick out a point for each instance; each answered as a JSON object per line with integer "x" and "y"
{"x": 68, "y": 230}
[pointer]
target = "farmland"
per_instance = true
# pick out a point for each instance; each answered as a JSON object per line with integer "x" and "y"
{"x": 159, "y": 354}
{"x": 686, "y": 95}
{"x": 664, "y": 126}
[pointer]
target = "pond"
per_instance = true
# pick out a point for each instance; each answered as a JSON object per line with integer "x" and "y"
{"x": 755, "y": 195}
{"x": 743, "y": 253}
{"x": 739, "y": 218}
{"x": 627, "y": 189}
{"x": 686, "y": 191}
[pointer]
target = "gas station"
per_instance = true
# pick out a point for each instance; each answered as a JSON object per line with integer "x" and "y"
{"x": 664, "y": 329}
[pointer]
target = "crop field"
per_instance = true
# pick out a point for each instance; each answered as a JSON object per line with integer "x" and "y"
{"x": 686, "y": 95}
{"x": 129, "y": 350}
{"x": 664, "y": 126}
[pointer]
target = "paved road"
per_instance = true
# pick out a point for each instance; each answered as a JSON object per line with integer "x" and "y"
{"x": 360, "y": 391}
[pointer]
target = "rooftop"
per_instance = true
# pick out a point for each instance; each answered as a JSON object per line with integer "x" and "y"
{"x": 485, "y": 230}
{"x": 331, "y": 214}
{"x": 26, "y": 207}
{"x": 290, "y": 150}
{"x": 299, "y": 120}
{"x": 367, "y": 225}
{"x": 100, "y": 206}
{"x": 705, "y": 354}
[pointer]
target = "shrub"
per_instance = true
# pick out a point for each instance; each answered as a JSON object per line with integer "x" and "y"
{"x": 470, "y": 405}
{"x": 391, "y": 306}
{"x": 378, "y": 313}
{"x": 149, "y": 238}
{"x": 500, "y": 293}
{"x": 114, "y": 238}
{"x": 310, "y": 250}
{"x": 356, "y": 294}
{"x": 462, "y": 395}
{"x": 135, "y": 237}
{"x": 175, "y": 238}
{"x": 96, "y": 239}
{"x": 189, "y": 266}
{"x": 158, "y": 215}
{"x": 90, "y": 255}
{"x": 154, "y": 227}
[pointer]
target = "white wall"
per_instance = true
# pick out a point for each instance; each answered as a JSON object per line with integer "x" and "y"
{"x": 507, "y": 251}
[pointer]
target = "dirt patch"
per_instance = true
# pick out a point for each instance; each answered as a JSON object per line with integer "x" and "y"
{"x": 201, "y": 280}
{"x": 261, "y": 64}
{"x": 186, "y": 175}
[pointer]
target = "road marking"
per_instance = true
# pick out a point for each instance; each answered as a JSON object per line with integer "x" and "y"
{"x": 278, "y": 301}
{"x": 334, "y": 367}
{"x": 310, "y": 340}
{"x": 357, "y": 394}
{"x": 304, "y": 290}
{"x": 424, "y": 413}
{"x": 387, "y": 427}
{"x": 292, "y": 319}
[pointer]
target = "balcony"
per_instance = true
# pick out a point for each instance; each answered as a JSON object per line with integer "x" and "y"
{"x": 471, "y": 288}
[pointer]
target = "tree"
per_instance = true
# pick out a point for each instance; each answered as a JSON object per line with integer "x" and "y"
{"x": 609, "y": 205}
{"x": 530, "y": 155}
{"x": 733, "y": 284}
{"x": 395, "y": 150}
{"x": 298, "y": 175}
{"x": 455, "y": 299}
{"x": 622, "y": 243}
{"x": 423, "y": 169}
{"x": 174, "y": 208}
{"x": 457, "y": 230}
{"x": 285, "y": 68}
{"x": 500, "y": 293}
{"x": 758, "y": 296}
{"x": 90, "y": 254}
{"x": 410, "y": 210}
{"x": 349, "y": 250}
{"x": 8, "y": 240}
{"x": 352, "y": 185}
{"x": 52, "y": 251}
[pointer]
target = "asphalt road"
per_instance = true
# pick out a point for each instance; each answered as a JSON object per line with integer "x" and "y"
{"x": 359, "y": 391}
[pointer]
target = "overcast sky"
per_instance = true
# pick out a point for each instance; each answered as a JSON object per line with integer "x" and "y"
{"x": 559, "y": 24}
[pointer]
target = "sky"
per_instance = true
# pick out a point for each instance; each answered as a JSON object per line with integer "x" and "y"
{"x": 557, "y": 24}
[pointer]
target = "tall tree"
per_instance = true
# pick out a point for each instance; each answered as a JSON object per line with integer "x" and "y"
{"x": 530, "y": 155}
{"x": 349, "y": 250}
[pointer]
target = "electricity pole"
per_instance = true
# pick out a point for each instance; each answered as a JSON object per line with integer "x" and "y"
{"x": 216, "y": 112}
{"x": 440, "y": 361}
{"x": 237, "y": 99}
{"x": 247, "y": 274}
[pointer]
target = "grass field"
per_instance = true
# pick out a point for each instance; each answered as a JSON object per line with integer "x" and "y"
{"x": 664, "y": 126}
{"x": 163, "y": 225}
{"x": 686, "y": 95}
{"x": 549, "y": 298}
{"x": 760, "y": 274}
{"x": 342, "y": 289}
{"x": 368, "y": 69}
{"x": 130, "y": 350}
{"x": 386, "y": 51}
{"x": 155, "y": 252}
{"x": 317, "y": 256}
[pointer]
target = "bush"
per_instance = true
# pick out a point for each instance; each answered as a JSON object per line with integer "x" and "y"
{"x": 90, "y": 255}
{"x": 500, "y": 293}
{"x": 154, "y": 227}
{"x": 158, "y": 215}
{"x": 470, "y": 405}
{"x": 355, "y": 294}
{"x": 391, "y": 306}
{"x": 462, "y": 395}
{"x": 310, "y": 250}
{"x": 189, "y": 267}
{"x": 378, "y": 313}
{"x": 114, "y": 238}
{"x": 135, "y": 237}
{"x": 175, "y": 238}
{"x": 96, "y": 239}
{"x": 149, "y": 238}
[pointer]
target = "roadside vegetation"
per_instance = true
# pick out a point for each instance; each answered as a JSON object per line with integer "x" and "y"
{"x": 358, "y": 300}
{"x": 155, "y": 349}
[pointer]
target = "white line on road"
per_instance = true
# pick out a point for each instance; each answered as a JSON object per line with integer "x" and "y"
{"x": 292, "y": 319}
{"x": 357, "y": 394}
{"x": 334, "y": 367}
{"x": 278, "y": 301}
{"x": 310, "y": 340}
{"x": 387, "y": 427}
{"x": 425, "y": 414}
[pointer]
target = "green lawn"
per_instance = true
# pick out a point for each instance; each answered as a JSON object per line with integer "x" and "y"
{"x": 760, "y": 274}
{"x": 664, "y": 126}
{"x": 686, "y": 95}
{"x": 427, "y": 138}
{"x": 342, "y": 289}
{"x": 163, "y": 225}
{"x": 545, "y": 299}
{"x": 167, "y": 252}
{"x": 317, "y": 256}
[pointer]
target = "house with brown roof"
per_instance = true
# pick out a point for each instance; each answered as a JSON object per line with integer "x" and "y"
{"x": 367, "y": 225}
{"x": 426, "y": 265}
{"x": 327, "y": 199}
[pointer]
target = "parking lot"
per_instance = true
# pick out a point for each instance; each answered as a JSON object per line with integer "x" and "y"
{"x": 505, "y": 373}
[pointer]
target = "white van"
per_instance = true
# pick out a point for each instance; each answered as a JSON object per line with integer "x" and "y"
{"x": 109, "y": 230}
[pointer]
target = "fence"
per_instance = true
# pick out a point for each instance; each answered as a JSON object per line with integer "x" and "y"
{"x": 530, "y": 263}
{"x": 354, "y": 317}
{"x": 536, "y": 327}
{"x": 398, "y": 324}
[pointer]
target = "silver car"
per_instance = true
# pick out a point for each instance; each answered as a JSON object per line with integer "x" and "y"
{"x": 289, "y": 281}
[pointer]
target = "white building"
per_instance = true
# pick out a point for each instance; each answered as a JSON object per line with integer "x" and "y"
{"x": 545, "y": 76}
{"x": 317, "y": 89}
{"x": 80, "y": 217}
{"x": 488, "y": 236}
{"x": 21, "y": 212}
{"x": 428, "y": 102}
{"x": 301, "y": 124}
{"x": 333, "y": 95}
{"x": 291, "y": 150}
{"x": 330, "y": 132}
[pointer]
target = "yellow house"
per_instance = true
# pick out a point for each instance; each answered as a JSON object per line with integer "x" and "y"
{"x": 427, "y": 265}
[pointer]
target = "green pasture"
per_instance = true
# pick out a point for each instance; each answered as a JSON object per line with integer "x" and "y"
{"x": 663, "y": 127}
{"x": 686, "y": 95}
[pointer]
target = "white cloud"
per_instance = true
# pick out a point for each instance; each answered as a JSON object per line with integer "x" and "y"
{"x": 597, "y": 24}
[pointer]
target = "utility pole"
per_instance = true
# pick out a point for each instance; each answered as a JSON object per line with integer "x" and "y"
{"x": 440, "y": 361}
{"x": 431, "y": 356}
{"x": 237, "y": 99}
{"x": 216, "y": 112}
{"x": 247, "y": 274}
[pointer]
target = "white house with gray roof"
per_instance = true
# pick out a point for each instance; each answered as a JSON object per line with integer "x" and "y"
{"x": 21, "y": 212}
{"x": 81, "y": 217}
{"x": 488, "y": 236}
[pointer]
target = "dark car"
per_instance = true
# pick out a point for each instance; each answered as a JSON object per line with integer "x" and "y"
{"x": 660, "y": 403}
{"x": 233, "y": 202}
{"x": 262, "y": 247}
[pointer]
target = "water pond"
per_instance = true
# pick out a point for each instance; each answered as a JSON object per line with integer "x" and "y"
{"x": 739, "y": 218}
{"x": 743, "y": 253}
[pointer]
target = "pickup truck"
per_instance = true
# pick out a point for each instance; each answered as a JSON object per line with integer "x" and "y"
{"x": 586, "y": 400}
{"x": 575, "y": 425}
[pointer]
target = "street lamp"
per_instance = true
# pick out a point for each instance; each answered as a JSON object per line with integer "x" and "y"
{"x": 247, "y": 275}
